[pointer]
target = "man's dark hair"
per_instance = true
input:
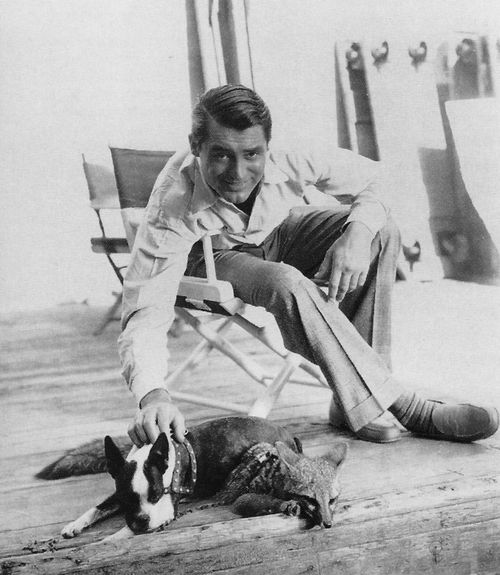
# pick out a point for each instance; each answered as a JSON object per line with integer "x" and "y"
{"x": 233, "y": 106}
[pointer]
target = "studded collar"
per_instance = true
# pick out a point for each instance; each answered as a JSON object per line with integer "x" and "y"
{"x": 185, "y": 469}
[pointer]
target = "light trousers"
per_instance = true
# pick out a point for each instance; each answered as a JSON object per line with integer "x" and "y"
{"x": 350, "y": 342}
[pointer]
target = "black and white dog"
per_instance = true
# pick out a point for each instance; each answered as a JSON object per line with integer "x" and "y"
{"x": 152, "y": 479}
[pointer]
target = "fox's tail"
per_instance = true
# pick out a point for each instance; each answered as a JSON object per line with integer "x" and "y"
{"x": 85, "y": 459}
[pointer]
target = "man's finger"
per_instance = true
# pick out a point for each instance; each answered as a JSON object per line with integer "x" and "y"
{"x": 343, "y": 286}
{"x": 362, "y": 279}
{"x": 150, "y": 427}
{"x": 139, "y": 431}
{"x": 333, "y": 286}
{"x": 133, "y": 436}
{"x": 354, "y": 283}
{"x": 179, "y": 427}
{"x": 164, "y": 419}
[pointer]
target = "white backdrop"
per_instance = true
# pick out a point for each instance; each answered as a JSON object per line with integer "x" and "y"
{"x": 79, "y": 74}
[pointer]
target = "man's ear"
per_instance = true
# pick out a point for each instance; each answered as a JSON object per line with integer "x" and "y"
{"x": 195, "y": 148}
{"x": 337, "y": 455}
{"x": 114, "y": 457}
{"x": 158, "y": 456}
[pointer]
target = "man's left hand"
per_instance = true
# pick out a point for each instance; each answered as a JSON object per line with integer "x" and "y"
{"x": 346, "y": 262}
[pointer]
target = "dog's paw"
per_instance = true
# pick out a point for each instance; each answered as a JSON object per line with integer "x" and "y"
{"x": 72, "y": 529}
{"x": 123, "y": 533}
{"x": 291, "y": 508}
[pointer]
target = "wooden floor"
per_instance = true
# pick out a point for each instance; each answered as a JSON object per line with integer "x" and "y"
{"x": 414, "y": 507}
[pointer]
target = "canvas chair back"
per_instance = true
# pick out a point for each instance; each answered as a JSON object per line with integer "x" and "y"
{"x": 136, "y": 172}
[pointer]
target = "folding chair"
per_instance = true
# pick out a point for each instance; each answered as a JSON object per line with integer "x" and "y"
{"x": 104, "y": 196}
{"x": 216, "y": 302}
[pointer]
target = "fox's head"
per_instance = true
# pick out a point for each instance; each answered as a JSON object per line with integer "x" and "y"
{"x": 313, "y": 481}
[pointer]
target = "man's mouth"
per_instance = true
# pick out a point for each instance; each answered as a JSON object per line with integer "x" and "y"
{"x": 235, "y": 183}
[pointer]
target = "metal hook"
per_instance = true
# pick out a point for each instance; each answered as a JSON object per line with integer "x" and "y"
{"x": 418, "y": 55}
{"x": 381, "y": 54}
{"x": 353, "y": 57}
{"x": 466, "y": 51}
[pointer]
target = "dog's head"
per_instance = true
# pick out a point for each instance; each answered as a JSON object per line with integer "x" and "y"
{"x": 141, "y": 480}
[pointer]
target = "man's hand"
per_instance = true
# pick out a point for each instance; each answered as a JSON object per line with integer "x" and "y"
{"x": 155, "y": 414}
{"x": 346, "y": 263}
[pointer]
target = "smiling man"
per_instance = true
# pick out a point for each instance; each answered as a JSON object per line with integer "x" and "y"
{"x": 280, "y": 232}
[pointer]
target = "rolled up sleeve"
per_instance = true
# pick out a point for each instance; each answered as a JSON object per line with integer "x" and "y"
{"x": 342, "y": 172}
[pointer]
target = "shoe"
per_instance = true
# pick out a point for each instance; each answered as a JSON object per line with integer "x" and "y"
{"x": 462, "y": 422}
{"x": 380, "y": 430}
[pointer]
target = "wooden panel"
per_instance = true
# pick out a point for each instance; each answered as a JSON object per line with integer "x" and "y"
{"x": 473, "y": 122}
{"x": 406, "y": 117}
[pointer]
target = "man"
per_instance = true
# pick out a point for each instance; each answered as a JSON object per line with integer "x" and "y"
{"x": 281, "y": 232}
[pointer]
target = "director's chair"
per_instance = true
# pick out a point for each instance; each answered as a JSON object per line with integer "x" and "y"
{"x": 204, "y": 301}
{"x": 103, "y": 197}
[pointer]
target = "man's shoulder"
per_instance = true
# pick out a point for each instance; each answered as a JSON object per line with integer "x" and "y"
{"x": 174, "y": 186}
{"x": 179, "y": 164}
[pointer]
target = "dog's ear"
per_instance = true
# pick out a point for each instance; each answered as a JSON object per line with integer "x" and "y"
{"x": 114, "y": 457}
{"x": 158, "y": 456}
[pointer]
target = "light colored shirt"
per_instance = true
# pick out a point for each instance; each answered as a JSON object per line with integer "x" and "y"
{"x": 183, "y": 207}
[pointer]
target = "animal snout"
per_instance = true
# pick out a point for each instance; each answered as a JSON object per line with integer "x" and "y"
{"x": 327, "y": 524}
{"x": 139, "y": 523}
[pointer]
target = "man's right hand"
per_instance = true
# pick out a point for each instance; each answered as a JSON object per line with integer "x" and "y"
{"x": 156, "y": 413}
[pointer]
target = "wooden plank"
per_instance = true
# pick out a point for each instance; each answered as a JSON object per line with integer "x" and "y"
{"x": 426, "y": 515}
{"x": 56, "y": 417}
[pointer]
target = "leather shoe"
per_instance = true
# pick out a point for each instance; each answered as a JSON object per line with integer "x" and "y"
{"x": 380, "y": 430}
{"x": 462, "y": 422}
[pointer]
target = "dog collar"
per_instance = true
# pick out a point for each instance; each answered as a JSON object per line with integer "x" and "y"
{"x": 177, "y": 486}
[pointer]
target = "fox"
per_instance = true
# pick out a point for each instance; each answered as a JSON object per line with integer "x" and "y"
{"x": 249, "y": 463}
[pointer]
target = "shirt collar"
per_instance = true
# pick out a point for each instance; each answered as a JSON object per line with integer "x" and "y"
{"x": 204, "y": 197}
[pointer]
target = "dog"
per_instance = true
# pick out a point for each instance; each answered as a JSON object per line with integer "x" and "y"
{"x": 153, "y": 479}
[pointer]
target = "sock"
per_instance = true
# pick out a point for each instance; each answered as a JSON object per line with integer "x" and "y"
{"x": 414, "y": 413}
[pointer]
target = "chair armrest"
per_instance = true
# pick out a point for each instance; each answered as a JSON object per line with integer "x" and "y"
{"x": 201, "y": 289}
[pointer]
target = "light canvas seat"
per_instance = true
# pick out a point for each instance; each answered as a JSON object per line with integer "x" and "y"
{"x": 215, "y": 299}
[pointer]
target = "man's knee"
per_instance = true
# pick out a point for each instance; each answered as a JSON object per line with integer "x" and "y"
{"x": 282, "y": 283}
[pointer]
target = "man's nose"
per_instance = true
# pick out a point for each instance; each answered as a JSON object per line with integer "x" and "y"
{"x": 238, "y": 169}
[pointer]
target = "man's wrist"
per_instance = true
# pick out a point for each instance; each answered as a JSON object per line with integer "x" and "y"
{"x": 158, "y": 394}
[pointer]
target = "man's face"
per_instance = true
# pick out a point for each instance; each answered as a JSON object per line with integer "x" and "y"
{"x": 232, "y": 161}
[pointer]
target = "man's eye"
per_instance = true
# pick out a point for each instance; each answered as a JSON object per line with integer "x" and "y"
{"x": 220, "y": 157}
{"x": 252, "y": 155}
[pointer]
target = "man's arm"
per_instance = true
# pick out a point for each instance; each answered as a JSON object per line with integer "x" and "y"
{"x": 157, "y": 264}
{"x": 346, "y": 263}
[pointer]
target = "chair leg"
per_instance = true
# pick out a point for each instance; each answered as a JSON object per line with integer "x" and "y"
{"x": 226, "y": 347}
{"x": 199, "y": 353}
{"x": 110, "y": 314}
{"x": 265, "y": 402}
{"x": 274, "y": 384}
